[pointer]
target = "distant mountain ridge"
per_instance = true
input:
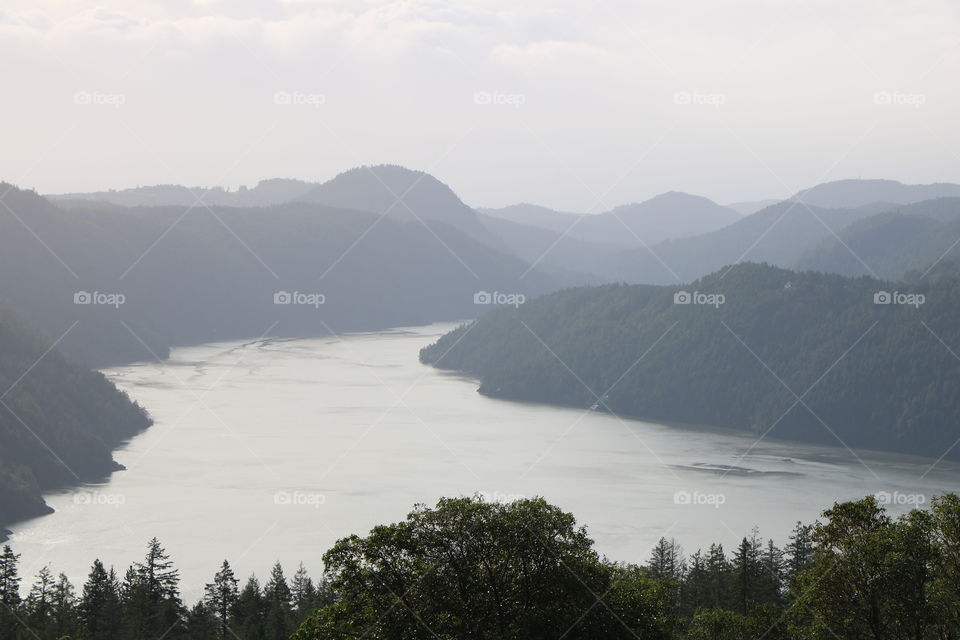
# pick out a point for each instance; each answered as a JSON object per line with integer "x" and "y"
{"x": 858, "y": 192}
{"x": 267, "y": 192}
{"x": 673, "y": 214}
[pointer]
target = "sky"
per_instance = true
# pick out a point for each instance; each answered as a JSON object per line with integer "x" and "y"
{"x": 580, "y": 105}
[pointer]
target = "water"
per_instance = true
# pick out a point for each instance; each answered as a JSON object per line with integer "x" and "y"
{"x": 272, "y": 450}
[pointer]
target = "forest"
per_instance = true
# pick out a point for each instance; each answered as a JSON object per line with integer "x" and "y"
{"x": 59, "y": 421}
{"x": 471, "y": 568}
{"x": 813, "y": 357}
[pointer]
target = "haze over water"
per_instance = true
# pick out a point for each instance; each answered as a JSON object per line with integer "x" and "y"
{"x": 271, "y": 450}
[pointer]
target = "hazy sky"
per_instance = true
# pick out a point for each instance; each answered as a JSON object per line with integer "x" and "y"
{"x": 578, "y": 105}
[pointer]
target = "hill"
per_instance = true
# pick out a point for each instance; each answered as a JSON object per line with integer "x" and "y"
{"x": 58, "y": 422}
{"x": 666, "y": 216}
{"x": 910, "y": 238}
{"x": 779, "y": 235}
{"x": 202, "y": 274}
{"x": 869, "y": 375}
{"x": 846, "y": 194}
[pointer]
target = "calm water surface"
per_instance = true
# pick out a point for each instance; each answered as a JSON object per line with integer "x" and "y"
{"x": 272, "y": 450}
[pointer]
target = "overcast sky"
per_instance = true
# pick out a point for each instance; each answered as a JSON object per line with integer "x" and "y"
{"x": 578, "y": 105}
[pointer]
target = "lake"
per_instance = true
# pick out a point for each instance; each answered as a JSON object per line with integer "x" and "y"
{"x": 273, "y": 449}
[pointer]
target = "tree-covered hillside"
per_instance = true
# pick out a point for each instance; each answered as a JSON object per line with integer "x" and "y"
{"x": 58, "y": 422}
{"x": 803, "y": 356}
{"x": 191, "y": 275}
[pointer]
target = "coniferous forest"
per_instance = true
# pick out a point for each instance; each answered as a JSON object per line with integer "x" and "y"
{"x": 469, "y": 568}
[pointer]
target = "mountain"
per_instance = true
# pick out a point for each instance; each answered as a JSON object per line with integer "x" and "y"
{"x": 202, "y": 274}
{"x": 752, "y": 206}
{"x": 668, "y": 215}
{"x": 535, "y": 216}
{"x": 395, "y": 191}
{"x": 779, "y": 235}
{"x": 266, "y": 193}
{"x": 869, "y": 375}
{"x": 855, "y": 193}
{"x": 910, "y": 238}
{"x": 58, "y": 422}
{"x": 571, "y": 260}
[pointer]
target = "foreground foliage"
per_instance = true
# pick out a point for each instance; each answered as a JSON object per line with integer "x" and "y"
{"x": 470, "y": 569}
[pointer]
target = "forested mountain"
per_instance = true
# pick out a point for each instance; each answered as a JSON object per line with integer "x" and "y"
{"x": 910, "y": 238}
{"x": 58, "y": 422}
{"x": 869, "y": 375}
{"x": 190, "y": 275}
{"x": 846, "y": 194}
{"x": 265, "y": 193}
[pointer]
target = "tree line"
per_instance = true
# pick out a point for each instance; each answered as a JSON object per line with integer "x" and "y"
{"x": 472, "y": 569}
{"x": 146, "y": 603}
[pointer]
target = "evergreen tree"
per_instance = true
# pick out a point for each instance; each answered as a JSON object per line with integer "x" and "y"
{"x": 99, "y": 606}
{"x": 220, "y": 598}
{"x": 747, "y": 572}
{"x": 38, "y": 612}
{"x": 65, "y": 620}
{"x": 667, "y": 561}
{"x": 202, "y": 623}
{"x": 717, "y": 577}
{"x": 9, "y": 593}
{"x": 304, "y": 596}
{"x": 799, "y": 552}
{"x": 279, "y": 613}
{"x": 249, "y": 611}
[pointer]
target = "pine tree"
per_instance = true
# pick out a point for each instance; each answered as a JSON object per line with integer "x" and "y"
{"x": 249, "y": 612}
{"x": 9, "y": 593}
{"x": 799, "y": 552}
{"x": 667, "y": 561}
{"x": 748, "y": 572}
{"x": 277, "y": 595}
{"x": 99, "y": 606}
{"x": 717, "y": 578}
{"x": 221, "y": 596}
{"x": 773, "y": 563}
{"x": 151, "y": 597}
{"x": 39, "y": 603}
{"x": 304, "y": 596}
{"x": 65, "y": 620}
{"x": 9, "y": 578}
